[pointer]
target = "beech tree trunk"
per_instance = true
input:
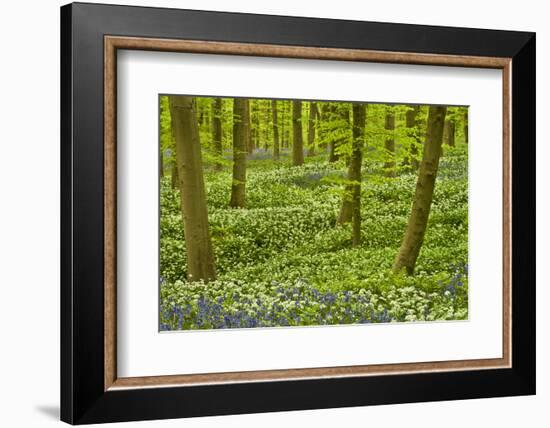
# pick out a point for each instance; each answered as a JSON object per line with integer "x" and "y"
{"x": 449, "y": 133}
{"x": 253, "y": 129}
{"x": 161, "y": 163}
{"x": 418, "y": 221}
{"x": 332, "y": 155}
{"x": 350, "y": 210}
{"x": 297, "y": 138}
{"x": 359, "y": 117}
{"x": 321, "y": 117}
{"x": 275, "y": 130}
{"x": 267, "y": 116}
{"x": 200, "y": 256}
{"x": 258, "y": 139}
{"x": 333, "y": 144}
{"x": 466, "y": 125}
{"x": 283, "y": 122}
{"x": 311, "y": 129}
{"x": 217, "y": 130}
{"x": 174, "y": 171}
{"x": 389, "y": 165}
{"x": 241, "y": 141}
{"x": 412, "y": 124}
{"x": 174, "y": 177}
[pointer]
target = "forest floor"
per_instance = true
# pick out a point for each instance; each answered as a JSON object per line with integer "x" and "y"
{"x": 283, "y": 260}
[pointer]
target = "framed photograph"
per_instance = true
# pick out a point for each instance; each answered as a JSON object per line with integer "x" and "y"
{"x": 265, "y": 213}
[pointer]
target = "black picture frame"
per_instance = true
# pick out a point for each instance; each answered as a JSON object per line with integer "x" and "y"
{"x": 83, "y": 398}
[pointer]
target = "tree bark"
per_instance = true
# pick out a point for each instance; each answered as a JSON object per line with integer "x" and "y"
{"x": 418, "y": 221}
{"x": 333, "y": 144}
{"x": 174, "y": 171}
{"x": 332, "y": 155}
{"x": 267, "y": 117}
{"x": 241, "y": 138}
{"x": 161, "y": 163}
{"x": 257, "y": 141}
{"x": 283, "y": 121}
{"x": 350, "y": 209}
{"x": 297, "y": 138}
{"x": 311, "y": 129}
{"x": 321, "y": 118}
{"x": 412, "y": 124}
{"x": 359, "y": 117}
{"x": 449, "y": 133}
{"x": 389, "y": 165}
{"x": 174, "y": 177}
{"x": 253, "y": 130}
{"x": 200, "y": 256}
{"x": 466, "y": 125}
{"x": 276, "y": 154}
{"x": 217, "y": 130}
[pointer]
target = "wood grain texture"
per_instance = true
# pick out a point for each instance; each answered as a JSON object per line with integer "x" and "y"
{"x": 109, "y": 195}
{"x": 297, "y": 374}
{"x": 112, "y": 43}
{"x": 265, "y": 50}
{"x": 507, "y": 213}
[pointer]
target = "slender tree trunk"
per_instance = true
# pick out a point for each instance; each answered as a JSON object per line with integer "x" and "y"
{"x": 449, "y": 133}
{"x": 200, "y": 115}
{"x": 241, "y": 137}
{"x": 297, "y": 138}
{"x": 174, "y": 171}
{"x": 161, "y": 163}
{"x": 333, "y": 144}
{"x": 217, "y": 130}
{"x": 412, "y": 124}
{"x": 266, "y": 123}
{"x": 207, "y": 120}
{"x": 343, "y": 114}
{"x": 332, "y": 155}
{"x": 252, "y": 141}
{"x": 389, "y": 165}
{"x": 466, "y": 136}
{"x": 418, "y": 221}
{"x": 200, "y": 256}
{"x": 275, "y": 130}
{"x": 311, "y": 128}
{"x": 253, "y": 130}
{"x": 359, "y": 117}
{"x": 350, "y": 209}
{"x": 289, "y": 128}
{"x": 174, "y": 177}
{"x": 283, "y": 121}
{"x": 321, "y": 118}
{"x": 257, "y": 124}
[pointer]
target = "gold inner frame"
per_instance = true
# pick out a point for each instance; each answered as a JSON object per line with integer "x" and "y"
{"x": 113, "y": 43}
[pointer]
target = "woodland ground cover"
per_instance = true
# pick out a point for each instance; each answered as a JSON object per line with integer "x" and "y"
{"x": 284, "y": 261}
